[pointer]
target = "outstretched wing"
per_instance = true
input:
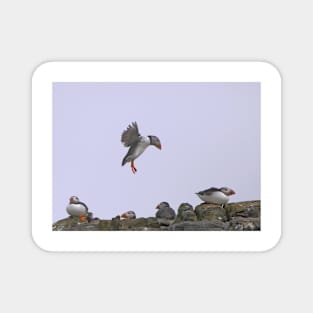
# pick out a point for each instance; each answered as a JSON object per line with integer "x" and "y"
{"x": 130, "y": 135}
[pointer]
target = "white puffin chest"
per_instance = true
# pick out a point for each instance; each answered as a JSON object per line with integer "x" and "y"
{"x": 76, "y": 209}
{"x": 216, "y": 197}
{"x": 141, "y": 146}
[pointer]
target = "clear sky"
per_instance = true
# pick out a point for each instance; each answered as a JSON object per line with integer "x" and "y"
{"x": 210, "y": 135}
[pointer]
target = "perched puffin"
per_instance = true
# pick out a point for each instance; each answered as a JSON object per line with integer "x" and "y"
{"x": 185, "y": 212}
{"x": 216, "y": 195}
{"x": 165, "y": 214}
{"x": 185, "y": 207}
{"x": 137, "y": 144}
{"x": 78, "y": 208}
{"x": 129, "y": 215}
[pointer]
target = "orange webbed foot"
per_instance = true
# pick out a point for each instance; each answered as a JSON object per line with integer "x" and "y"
{"x": 134, "y": 170}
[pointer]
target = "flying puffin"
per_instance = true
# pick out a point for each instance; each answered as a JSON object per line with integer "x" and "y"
{"x": 78, "y": 208}
{"x": 129, "y": 215}
{"x": 137, "y": 144}
{"x": 216, "y": 195}
{"x": 165, "y": 214}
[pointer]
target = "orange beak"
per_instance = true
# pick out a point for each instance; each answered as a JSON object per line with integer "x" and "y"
{"x": 160, "y": 147}
{"x": 124, "y": 215}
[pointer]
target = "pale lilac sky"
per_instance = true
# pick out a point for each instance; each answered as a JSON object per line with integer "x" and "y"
{"x": 210, "y": 135}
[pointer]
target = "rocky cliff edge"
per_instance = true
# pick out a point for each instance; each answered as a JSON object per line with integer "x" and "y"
{"x": 239, "y": 216}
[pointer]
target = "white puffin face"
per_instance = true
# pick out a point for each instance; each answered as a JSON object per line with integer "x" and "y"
{"x": 155, "y": 141}
{"x": 227, "y": 191}
{"x": 129, "y": 214}
{"x": 74, "y": 199}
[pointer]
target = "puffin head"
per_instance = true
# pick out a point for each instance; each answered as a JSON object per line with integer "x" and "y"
{"x": 129, "y": 214}
{"x": 74, "y": 200}
{"x": 155, "y": 141}
{"x": 227, "y": 191}
{"x": 162, "y": 205}
{"x": 185, "y": 207}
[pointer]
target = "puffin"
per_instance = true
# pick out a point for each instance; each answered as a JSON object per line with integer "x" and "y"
{"x": 185, "y": 212}
{"x": 165, "y": 214}
{"x": 129, "y": 215}
{"x": 137, "y": 144}
{"x": 185, "y": 207}
{"x": 78, "y": 208}
{"x": 215, "y": 195}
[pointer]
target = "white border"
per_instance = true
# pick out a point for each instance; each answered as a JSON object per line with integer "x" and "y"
{"x": 262, "y": 72}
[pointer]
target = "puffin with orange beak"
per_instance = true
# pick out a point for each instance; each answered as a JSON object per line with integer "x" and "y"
{"x": 216, "y": 195}
{"x": 137, "y": 144}
{"x": 129, "y": 215}
{"x": 78, "y": 209}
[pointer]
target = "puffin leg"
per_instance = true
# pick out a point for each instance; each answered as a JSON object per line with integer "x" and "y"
{"x": 82, "y": 218}
{"x": 132, "y": 164}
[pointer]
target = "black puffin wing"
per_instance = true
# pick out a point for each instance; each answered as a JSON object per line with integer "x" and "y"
{"x": 130, "y": 135}
{"x": 130, "y": 152}
{"x": 209, "y": 191}
{"x": 83, "y": 204}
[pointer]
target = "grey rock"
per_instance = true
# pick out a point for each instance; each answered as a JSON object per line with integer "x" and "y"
{"x": 210, "y": 212}
{"x": 243, "y": 209}
{"x": 244, "y": 223}
{"x": 199, "y": 226}
{"x": 240, "y": 216}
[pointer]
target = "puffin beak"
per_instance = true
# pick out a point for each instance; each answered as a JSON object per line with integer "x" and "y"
{"x": 160, "y": 146}
{"x": 233, "y": 192}
{"x": 123, "y": 215}
{"x": 157, "y": 206}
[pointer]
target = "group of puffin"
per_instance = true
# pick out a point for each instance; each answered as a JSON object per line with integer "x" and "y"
{"x": 165, "y": 214}
{"x": 137, "y": 145}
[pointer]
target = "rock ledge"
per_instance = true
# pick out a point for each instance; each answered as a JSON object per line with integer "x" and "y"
{"x": 239, "y": 216}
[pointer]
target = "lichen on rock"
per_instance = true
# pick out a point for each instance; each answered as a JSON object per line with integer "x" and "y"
{"x": 210, "y": 212}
